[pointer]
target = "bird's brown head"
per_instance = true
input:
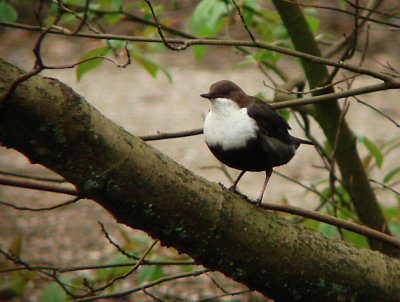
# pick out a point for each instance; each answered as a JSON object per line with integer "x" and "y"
{"x": 225, "y": 89}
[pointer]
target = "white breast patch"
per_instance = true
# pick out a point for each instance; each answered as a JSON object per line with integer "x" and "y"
{"x": 228, "y": 125}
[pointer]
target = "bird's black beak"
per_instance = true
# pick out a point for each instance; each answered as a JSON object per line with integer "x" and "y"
{"x": 206, "y": 95}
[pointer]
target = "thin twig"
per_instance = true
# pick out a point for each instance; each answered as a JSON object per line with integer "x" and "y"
{"x": 22, "y": 208}
{"x": 38, "y": 178}
{"x": 357, "y": 228}
{"x": 161, "y": 136}
{"x": 100, "y": 266}
{"x": 130, "y": 271}
{"x": 366, "y": 18}
{"x": 145, "y": 286}
{"x": 161, "y": 34}
{"x": 116, "y": 245}
{"x": 38, "y": 64}
{"x": 230, "y": 294}
{"x": 84, "y": 17}
{"x": 35, "y": 185}
{"x": 372, "y": 11}
{"x": 385, "y": 186}
{"x": 27, "y": 266}
{"x": 244, "y": 22}
{"x": 221, "y": 42}
{"x": 378, "y": 111}
{"x": 311, "y": 90}
{"x": 131, "y": 17}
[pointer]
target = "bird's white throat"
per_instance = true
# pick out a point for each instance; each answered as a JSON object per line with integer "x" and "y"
{"x": 228, "y": 125}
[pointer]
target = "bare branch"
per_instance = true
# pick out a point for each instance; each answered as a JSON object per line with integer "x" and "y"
{"x": 34, "y": 185}
{"x": 220, "y": 42}
{"x": 20, "y": 208}
{"x": 38, "y": 178}
{"x": 98, "y": 266}
{"x": 160, "y": 32}
{"x": 140, "y": 261}
{"x": 357, "y": 228}
{"x": 378, "y": 111}
{"x": 367, "y": 18}
{"x": 385, "y": 186}
{"x": 84, "y": 17}
{"x": 145, "y": 286}
{"x": 244, "y": 22}
{"x": 161, "y": 136}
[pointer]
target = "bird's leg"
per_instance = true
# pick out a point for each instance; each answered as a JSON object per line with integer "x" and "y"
{"x": 233, "y": 187}
{"x": 267, "y": 176}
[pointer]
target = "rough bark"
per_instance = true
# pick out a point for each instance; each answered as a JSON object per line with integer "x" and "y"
{"x": 54, "y": 126}
{"x": 328, "y": 115}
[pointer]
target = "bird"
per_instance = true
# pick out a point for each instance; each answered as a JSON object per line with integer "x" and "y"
{"x": 245, "y": 133}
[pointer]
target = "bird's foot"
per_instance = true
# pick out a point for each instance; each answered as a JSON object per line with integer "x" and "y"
{"x": 258, "y": 202}
{"x": 232, "y": 188}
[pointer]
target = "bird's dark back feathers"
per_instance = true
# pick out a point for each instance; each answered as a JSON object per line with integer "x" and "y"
{"x": 268, "y": 120}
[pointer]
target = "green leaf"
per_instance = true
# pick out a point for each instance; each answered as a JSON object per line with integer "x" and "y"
{"x": 151, "y": 66}
{"x": 112, "y": 18}
{"x": 109, "y": 273}
{"x": 328, "y": 229}
{"x": 372, "y": 149}
{"x": 83, "y": 68}
{"x": 205, "y": 17}
{"x": 7, "y": 12}
{"x": 263, "y": 55}
{"x": 158, "y": 10}
{"x": 311, "y": 224}
{"x": 391, "y": 174}
{"x": 284, "y": 113}
{"x": 149, "y": 273}
{"x": 53, "y": 292}
{"x": 394, "y": 227}
{"x": 253, "y": 4}
{"x": 205, "y": 21}
{"x": 15, "y": 283}
{"x": 199, "y": 51}
{"x": 107, "y": 4}
{"x": 313, "y": 22}
{"x": 341, "y": 4}
{"x": 356, "y": 239}
{"x": 187, "y": 268}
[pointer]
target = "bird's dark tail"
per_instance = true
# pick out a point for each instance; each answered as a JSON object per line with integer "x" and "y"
{"x": 299, "y": 141}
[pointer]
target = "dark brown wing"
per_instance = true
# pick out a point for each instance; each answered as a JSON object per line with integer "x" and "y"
{"x": 269, "y": 122}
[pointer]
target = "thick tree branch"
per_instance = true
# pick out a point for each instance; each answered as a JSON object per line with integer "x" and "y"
{"x": 144, "y": 189}
{"x": 357, "y": 228}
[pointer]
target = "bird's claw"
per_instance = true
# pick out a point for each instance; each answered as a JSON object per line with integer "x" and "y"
{"x": 232, "y": 189}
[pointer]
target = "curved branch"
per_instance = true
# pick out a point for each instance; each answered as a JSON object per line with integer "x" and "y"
{"x": 216, "y": 42}
{"x": 22, "y": 208}
{"x": 357, "y": 228}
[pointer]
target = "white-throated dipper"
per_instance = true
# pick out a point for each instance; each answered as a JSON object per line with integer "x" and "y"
{"x": 246, "y": 133}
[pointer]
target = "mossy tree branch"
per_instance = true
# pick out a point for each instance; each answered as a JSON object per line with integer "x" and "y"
{"x": 54, "y": 126}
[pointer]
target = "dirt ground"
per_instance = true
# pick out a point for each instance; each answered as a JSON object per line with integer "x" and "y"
{"x": 142, "y": 105}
